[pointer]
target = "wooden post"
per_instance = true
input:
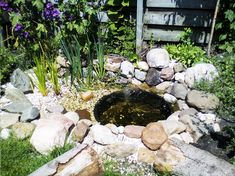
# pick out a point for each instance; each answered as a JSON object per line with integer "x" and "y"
{"x": 139, "y": 25}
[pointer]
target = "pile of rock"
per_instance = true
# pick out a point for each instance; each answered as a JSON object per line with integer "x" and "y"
{"x": 165, "y": 144}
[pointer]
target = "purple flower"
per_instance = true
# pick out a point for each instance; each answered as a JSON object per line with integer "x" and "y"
{"x": 55, "y": 13}
{"x": 5, "y": 6}
{"x": 49, "y": 6}
{"x": 50, "y": 12}
{"x": 26, "y": 35}
{"x": 19, "y": 27}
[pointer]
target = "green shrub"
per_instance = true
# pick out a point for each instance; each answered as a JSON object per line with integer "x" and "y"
{"x": 18, "y": 157}
{"x": 224, "y": 86}
{"x": 7, "y": 60}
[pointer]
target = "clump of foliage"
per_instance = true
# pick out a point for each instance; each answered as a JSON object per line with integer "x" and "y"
{"x": 18, "y": 157}
{"x": 186, "y": 52}
{"x": 230, "y": 130}
{"x": 224, "y": 86}
{"x": 226, "y": 26}
{"x": 119, "y": 31}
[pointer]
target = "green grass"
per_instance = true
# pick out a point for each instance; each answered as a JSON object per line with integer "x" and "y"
{"x": 18, "y": 157}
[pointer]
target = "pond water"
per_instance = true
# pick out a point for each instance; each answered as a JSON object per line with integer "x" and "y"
{"x": 131, "y": 107}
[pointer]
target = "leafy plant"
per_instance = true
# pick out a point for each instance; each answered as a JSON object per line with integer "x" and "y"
{"x": 186, "y": 52}
{"x": 226, "y": 26}
{"x": 18, "y": 157}
{"x": 53, "y": 70}
{"x": 224, "y": 86}
{"x": 100, "y": 66}
{"x": 72, "y": 52}
{"x": 41, "y": 71}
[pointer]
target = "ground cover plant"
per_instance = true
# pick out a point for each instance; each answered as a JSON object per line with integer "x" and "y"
{"x": 18, "y": 157}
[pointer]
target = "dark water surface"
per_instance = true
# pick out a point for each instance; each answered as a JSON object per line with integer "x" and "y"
{"x": 131, "y": 107}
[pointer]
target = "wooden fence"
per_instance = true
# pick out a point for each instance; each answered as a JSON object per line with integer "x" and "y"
{"x": 164, "y": 20}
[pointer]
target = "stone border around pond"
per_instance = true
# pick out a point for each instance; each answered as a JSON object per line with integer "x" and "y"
{"x": 151, "y": 144}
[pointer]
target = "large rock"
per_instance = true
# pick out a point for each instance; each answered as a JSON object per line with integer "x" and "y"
{"x": 102, "y": 135}
{"x": 200, "y": 72}
{"x": 140, "y": 75}
{"x": 154, "y": 135}
{"x": 120, "y": 150}
{"x": 50, "y": 133}
{"x": 167, "y": 73}
{"x": 202, "y": 101}
{"x": 172, "y": 127}
{"x": 158, "y": 58}
{"x": 29, "y": 114}
{"x": 81, "y": 160}
{"x": 8, "y": 119}
{"x": 127, "y": 68}
{"x": 179, "y": 77}
{"x": 55, "y": 108}
{"x": 153, "y": 77}
{"x": 169, "y": 98}
{"x": 179, "y": 91}
{"x": 167, "y": 157}
{"x": 133, "y": 131}
{"x": 199, "y": 162}
{"x": 21, "y": 81}
{"x": 72, "y": 116}
{"x": 22, "y": 130}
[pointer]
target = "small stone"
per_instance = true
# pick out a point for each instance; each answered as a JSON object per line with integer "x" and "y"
{"x": 142, "y": 65}
{"x": 210, "y": 118}
{"x": 179, "y": 77}
{"x": 179, "y": 91}
{"x": 21, "y": 81}
{"x": 72, "y": 116}
{"x": 62, "y": 61}
{"x": 178, "y": 67}
{"x": 79, "y": 132}
{"x": 191, "y": 112}
{"x": 167, "y": 73}
{"x": 5, "y": 133}
{"x": 86, "y": 96}
{"x": 102, "y": 135}
{"x": 127, "y": 68}
{"x": 201, "y": 116}
{"x": 29, "y": 114}
{"x": 140, "y": 75}
{"x": 146, "y": 156}
{"x": 169, "y": 98}
{"x": 56, "y": 108}
{"x": 121, "y": 129}
{"x": 88, "y": 140}
{"x": 176, "y": 136}
{"x": 216, "y": 127}
{"x": 8, "y": 119}
{"x": 172, "y": 127}
{"x": 83, "y": 114}
{"x": 113, "y": 128}
{"x": 154, "y": 135}
{"x": 164, "y": 87}
{"x": 182, "y": 105}
{"x": 174, "y": 116}
{"x": 186, "y": 137}
{"x": 113, "y": 63}
{"x": 136, "y": 82}
{"x": 22, "y": 130}
{"x": 120, "y": 150}
{"x": 158, "y": 58}
{"x": 17, "y": 107}
{"x": 153, "y": 77}
{"x": 133, "y": 131}
{"x": 87, "y": 122}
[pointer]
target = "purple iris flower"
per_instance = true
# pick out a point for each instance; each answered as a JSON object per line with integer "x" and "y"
{"x": 19, "y": 27}
{"x": 55, "y": 13}
{"x": 5, "y": 6}
{"x": 50, "y": 12}
{"x": 49, "y": 6}
{"x": 26, "y": 35}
